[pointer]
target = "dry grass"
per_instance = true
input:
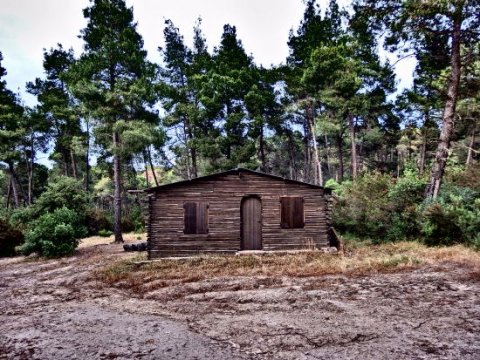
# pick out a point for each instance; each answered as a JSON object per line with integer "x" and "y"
{"x": 360, "y": 260}
{"x": 99, "y": 240}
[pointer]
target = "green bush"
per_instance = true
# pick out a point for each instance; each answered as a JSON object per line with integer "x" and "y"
{"x": 365, "y": 208}
{"x": 22, "y": 217}
{"x": 408, "y": 190}
{"x": 454, "y": 217}
{"x": 378, "y": 207}
{"x": 55, "y": 233}
{"x": 404, "y": 197}
{"x": 63, "y": 192}
{"x": 98, "y": 220}
{"x": 105, "y": 233}
{"x": 137, "y": 217}
{"x": 9, "y": 239}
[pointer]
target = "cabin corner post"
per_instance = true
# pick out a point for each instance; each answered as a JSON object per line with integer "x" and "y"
{"x": 149, "y": 220}
{"x": 329, "y": 200}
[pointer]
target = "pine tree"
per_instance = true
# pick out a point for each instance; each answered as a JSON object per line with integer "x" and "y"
{"x": 57, "y": 107}
{"x": 112, "y": 80}
{"x": 416, "y": 25}
{"x": 11, "y": 134}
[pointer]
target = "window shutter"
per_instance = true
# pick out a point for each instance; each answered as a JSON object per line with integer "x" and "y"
{"x": 202, "y": 218}
{"x": 291, "y": 212}
{"x": 196, "y": 218}
{"x": 285, "y": 213}
{"x": 297, "y": 212}
{"x": 190, "y": 218}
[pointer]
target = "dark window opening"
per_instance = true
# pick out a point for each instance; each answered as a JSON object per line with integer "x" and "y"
{"x": 291, "y": 212}
{"x": 196, "y": 217}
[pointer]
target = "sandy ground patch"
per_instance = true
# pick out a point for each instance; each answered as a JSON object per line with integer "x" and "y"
{"x": 57, "y": 309}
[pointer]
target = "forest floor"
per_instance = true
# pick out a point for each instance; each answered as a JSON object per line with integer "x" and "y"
{"x": 400, "y": 301}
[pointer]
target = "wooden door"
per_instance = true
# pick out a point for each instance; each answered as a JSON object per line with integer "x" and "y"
{"x": 251, "y": 231}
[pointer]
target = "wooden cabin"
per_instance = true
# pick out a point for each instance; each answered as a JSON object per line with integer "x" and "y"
{"x": 236, "y": 210}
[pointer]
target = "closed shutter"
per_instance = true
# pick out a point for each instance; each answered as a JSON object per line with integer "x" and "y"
{"x": 195, "y": 218}
{"x": 291, "y": 212}
{"x": 190, "y": 218}
{"x": 297, "y": 216}
{"x": 202, "y": 218}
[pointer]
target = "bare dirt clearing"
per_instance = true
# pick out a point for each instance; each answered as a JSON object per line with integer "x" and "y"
{"x": 404, "y": 302}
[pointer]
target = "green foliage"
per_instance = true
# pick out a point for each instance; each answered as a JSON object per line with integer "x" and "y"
{"x": 63, "y": 192}
{"x": 137, "y": 217}
{"x": 10, "y": 237}
{"x": 408, "y": 190}
{"x": 466, "y": 177}
{"x": 221, "y": 110}
{"x": 98, "y": 220}
{"x": 55, "y": 233}
{"x": 364, "y": 209}
{"x": 105, "y": 233}
{"x": 453, "y": 218}
{"x": 133, "y": 221}
{"x": 335, "y": 186}
{"x": 21, "y": 218}
{"x": 382, "y": 208}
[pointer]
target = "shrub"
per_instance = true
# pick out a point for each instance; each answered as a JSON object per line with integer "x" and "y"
{"x": 9, "y": 239}
{"x": 452, "y": 218}
{"x": 365, "y": 208}
{"x": 127, "y": 224}
{"x": 136, "y": 214}
{"x": 407, "y": 191}
{"x": 105, "y": 233}
{"x": 63, "y": 192}
{"x": 22, "y": 217}
{"x": 98, "y": 220}
{"x": 438, "y": 226}
{"x": 382, "y": 208}
{"x": 133, "y": 220}
{"x": 55, "y": 233}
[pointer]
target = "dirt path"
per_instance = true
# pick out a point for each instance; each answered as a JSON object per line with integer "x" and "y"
{"x": 53, "y": 310}
{"x": 56, "y": 310}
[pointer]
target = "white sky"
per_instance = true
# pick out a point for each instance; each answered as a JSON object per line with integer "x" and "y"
{"x": 29, "y": 26}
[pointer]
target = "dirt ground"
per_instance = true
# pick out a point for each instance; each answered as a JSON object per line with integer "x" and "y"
{"x": 57, "y": 309}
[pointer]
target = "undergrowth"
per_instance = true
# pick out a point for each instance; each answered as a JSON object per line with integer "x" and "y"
{"x": 359, "y": 260}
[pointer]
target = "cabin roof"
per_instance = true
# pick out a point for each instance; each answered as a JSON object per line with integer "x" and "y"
{"x": 236, "y": 171}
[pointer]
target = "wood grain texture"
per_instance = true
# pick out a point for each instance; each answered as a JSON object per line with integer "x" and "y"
{"x": 251, "y": 223}
{"x": 223, "y": 195}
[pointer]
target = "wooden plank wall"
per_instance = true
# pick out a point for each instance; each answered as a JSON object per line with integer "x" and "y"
{"x": 224, "y": 195}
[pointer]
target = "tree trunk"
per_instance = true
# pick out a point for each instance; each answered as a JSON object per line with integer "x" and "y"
{"x": 117, "y": 197}
{"x": 65, "y": 162}
{"x": 291, "y": 155}
{"x": 316, "y": 158}
{"x": 262, "y": 150}
{"x": 341, "y": 168}
{"x": 423, "y": 152}
{"x": 351, "y": 129}
{"x": 399, "y": 163}
{"x": 87, "y": 160}
{"x": 146, "y": 168}
{"x": 151, "y": 166}
{"x": 470, "y": 147}
{"x": 306, "y": 144}
{"x": 327, "y": 155}
{"x": 9, "y": 193}
{"x": 15, "y": 184}
{"x": 192, "y": 150}
{"x": 441, "y": 155}
{"x": 74, "y": 164}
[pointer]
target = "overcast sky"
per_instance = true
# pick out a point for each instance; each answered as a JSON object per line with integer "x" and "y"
{"x": 29, "y": 26}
